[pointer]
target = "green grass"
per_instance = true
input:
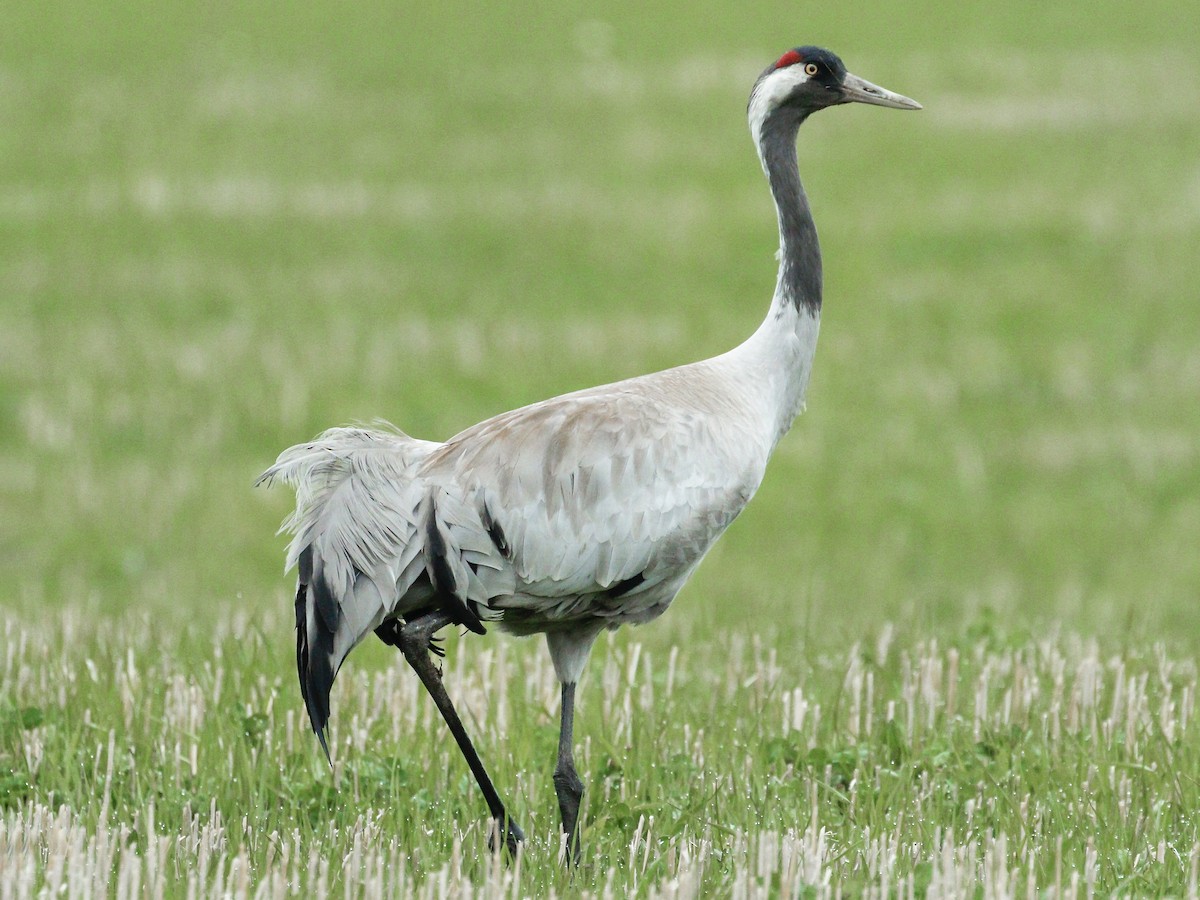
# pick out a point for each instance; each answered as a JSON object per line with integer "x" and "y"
{"x": 222, "y": 231}
{"x": 723, "y": 766}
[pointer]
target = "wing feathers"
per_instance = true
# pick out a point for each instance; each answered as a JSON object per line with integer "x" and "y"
{"x": 593, "y": 488}
{"x": 448, "y": 570}
{"x": 590, "y": 506}
{"x": 354, "y": 544}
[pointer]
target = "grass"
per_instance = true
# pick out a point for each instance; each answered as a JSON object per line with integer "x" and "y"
{"x": 948, "y": 649}
{"x": 900, "y": 766}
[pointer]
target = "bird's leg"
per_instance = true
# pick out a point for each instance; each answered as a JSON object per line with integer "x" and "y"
{"x": 413, "y": 639}
{"x": 566, "y": 780}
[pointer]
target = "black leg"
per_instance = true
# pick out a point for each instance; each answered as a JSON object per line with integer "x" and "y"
{"x": 413, "y": 639}
{"x": 566, "y": 780}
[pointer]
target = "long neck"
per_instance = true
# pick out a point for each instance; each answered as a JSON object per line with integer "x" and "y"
{"x": 778, "y": 357}
{"x": 799, "y": 283}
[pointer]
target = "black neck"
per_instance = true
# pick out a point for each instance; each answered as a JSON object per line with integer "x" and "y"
{"x": 800, "y": 252}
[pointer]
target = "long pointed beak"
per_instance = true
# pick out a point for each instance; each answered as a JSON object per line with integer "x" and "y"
{"x": 859, "y": 90}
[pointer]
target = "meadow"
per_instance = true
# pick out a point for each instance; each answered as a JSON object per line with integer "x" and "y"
{"x": 949, "y": 649}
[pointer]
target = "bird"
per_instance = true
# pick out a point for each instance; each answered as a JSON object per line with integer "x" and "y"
{"x": 570, "y": 516}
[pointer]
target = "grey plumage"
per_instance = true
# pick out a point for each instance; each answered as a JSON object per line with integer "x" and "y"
{"x": 566, "y": 517}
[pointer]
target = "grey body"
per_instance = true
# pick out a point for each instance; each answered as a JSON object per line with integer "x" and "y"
{"x": 584, "y": 512}
{"x": 565, "y": 517}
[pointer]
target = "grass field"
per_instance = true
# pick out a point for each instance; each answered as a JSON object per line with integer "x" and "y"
{"x": 950, "y": 647}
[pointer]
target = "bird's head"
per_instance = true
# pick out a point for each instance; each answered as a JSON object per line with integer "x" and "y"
{"x": 806, "y": 79}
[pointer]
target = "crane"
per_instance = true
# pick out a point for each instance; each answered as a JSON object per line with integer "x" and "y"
{"x": 574, "y": 515}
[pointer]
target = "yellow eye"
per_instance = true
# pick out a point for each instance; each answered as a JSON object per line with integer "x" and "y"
{"x": 811, "y": 69}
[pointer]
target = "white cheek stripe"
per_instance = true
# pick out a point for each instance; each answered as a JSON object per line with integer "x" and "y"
{"x": 769, "y": 94}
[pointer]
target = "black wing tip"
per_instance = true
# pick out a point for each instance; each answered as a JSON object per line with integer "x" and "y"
{"x": 314, "y": 671}
{"x": 318, "y": 716}
{"x": 316, "y": 702}
{"x": 315, "y": 685}
{"x": 320, "y": 732}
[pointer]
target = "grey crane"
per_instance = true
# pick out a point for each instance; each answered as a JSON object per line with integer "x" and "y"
{"x": 570, "y": 516}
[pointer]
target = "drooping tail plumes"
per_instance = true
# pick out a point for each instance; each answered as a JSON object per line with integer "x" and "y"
{"x": 356, "y": 545}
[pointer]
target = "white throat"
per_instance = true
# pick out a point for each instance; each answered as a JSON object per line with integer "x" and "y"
{"x": 777, "y": 359}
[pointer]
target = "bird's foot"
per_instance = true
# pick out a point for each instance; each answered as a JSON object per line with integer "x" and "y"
{"x": 570, "y": 791}
{"x": 419, "y": 634}
{"x": 513, "y": 836}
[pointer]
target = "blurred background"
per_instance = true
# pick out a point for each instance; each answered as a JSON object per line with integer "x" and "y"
{"x": 225, "y": 227}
